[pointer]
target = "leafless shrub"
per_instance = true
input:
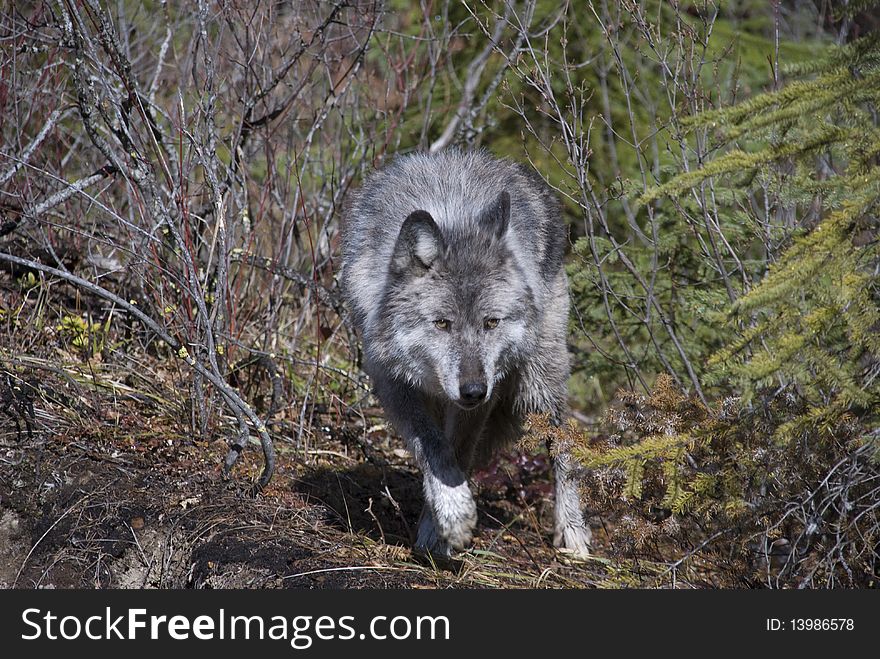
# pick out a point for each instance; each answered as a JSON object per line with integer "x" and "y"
{"x": 184, "y": 166}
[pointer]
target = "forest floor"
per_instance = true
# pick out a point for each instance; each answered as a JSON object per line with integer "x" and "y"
{"x": 110, "y": 492}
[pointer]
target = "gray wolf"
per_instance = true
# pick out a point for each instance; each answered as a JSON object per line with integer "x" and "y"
{"x": 452, "y": 268}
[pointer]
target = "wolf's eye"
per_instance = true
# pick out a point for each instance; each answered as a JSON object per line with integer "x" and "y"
{"x": 442, "y": 324}
{"x": 491, "y": 323}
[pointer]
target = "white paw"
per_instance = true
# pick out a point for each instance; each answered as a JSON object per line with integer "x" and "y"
{"x": 448, "y": 523}
{"x": 573, "y": 540}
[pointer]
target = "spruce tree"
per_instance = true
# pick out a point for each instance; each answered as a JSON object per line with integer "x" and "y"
{"x": 775, "y": 482}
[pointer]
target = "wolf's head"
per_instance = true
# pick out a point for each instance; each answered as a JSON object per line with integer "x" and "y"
{"x": 457, "y": 309}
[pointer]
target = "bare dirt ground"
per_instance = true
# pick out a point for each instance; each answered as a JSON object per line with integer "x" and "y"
{"x": 108, "y": 492}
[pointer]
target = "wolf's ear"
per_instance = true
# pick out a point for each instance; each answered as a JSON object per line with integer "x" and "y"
{"x": 496, "y": 216}
{"x": 419, "y": 243}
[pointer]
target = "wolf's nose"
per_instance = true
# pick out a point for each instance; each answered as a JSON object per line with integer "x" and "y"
{"x": 472, "y": 392}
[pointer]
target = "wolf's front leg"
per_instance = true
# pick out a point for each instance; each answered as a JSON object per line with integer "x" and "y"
{"x": 570, "y": 532}
{"x": 450, "y": 514}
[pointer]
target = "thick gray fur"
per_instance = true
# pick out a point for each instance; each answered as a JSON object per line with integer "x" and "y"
{"x": 436, "y": 248}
